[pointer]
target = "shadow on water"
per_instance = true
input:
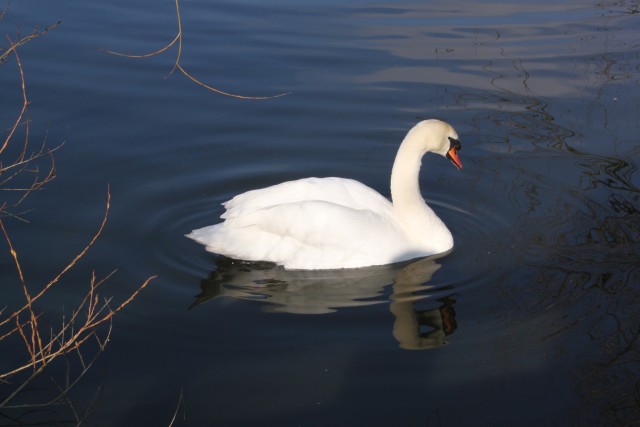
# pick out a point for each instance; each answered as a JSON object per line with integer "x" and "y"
{"x": 567, "y": 168}
{"x": 578, "y": 239}
{"x": 416, "y": 326}
{"x": 588, "y": 270}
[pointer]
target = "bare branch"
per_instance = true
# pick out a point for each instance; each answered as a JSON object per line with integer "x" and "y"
{"x": 144, "y": 55}
{"x": 175, "y": 413}
{"x": 26, "y": 39}
{"x": 12, "y": 48}
{"x": 89, "y": 326}
{"x": 178, "y": 66}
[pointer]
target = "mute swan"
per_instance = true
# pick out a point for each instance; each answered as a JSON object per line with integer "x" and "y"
{"x": 333, "y": 223}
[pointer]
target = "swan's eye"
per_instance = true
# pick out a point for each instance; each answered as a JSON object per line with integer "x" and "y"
{"x": 454, "y": 144}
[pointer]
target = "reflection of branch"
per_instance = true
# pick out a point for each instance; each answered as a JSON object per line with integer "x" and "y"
{"x": 177, "y": 65}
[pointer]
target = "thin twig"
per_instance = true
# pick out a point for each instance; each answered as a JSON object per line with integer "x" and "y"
{"x": 4, "y": 11}
{"x": 96, "y": 314}
{"x": 144, "y": 55}
{"x": 193, "y": 79}
{"x": 27, "y": 39}
{"x": 178, "y": 66}
{"x": 180, "y": 403}
{"x": 71, "y": 264}
{"x": 24, "y": 95}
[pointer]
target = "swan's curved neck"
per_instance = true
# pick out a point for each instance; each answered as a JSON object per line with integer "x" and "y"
{"x": 419, "y": 221}
{"x": 405, "y": 187}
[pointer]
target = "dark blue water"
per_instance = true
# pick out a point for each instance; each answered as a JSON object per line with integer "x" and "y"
{"x": 531, "y": 320}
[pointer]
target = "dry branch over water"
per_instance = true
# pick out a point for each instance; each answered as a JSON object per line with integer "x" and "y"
{"x": 35, "y": 343}
{"x": 44, "y": 344}
{"x": 21, "y": 175}
{"x": 178, "y": 39}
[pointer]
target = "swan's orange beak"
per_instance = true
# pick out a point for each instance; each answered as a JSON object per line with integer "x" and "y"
{"x": 452, "y": 155}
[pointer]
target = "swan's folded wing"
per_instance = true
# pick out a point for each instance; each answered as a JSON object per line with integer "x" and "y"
{"x": 312, "y": 235}
{"x": 341, "y": 191}
{"x": 315, "y": 233}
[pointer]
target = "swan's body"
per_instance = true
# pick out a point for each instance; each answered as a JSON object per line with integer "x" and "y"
{"x": 329, "y": 223}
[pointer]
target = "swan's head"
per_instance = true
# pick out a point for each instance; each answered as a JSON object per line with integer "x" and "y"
{"x": 440, "y": 138}
{"x": 452, "y": 154}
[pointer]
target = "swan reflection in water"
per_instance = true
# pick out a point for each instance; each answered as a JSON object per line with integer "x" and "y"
{"x": 325, "y": 291}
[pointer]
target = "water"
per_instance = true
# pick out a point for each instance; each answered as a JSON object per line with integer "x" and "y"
{"x": 531, "y": 320}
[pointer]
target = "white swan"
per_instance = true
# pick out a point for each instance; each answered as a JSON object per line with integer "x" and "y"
{"x": 332, "y": 223}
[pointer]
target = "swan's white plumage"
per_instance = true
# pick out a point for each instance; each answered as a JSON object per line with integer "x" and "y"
{"x": 328, "y": 223}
